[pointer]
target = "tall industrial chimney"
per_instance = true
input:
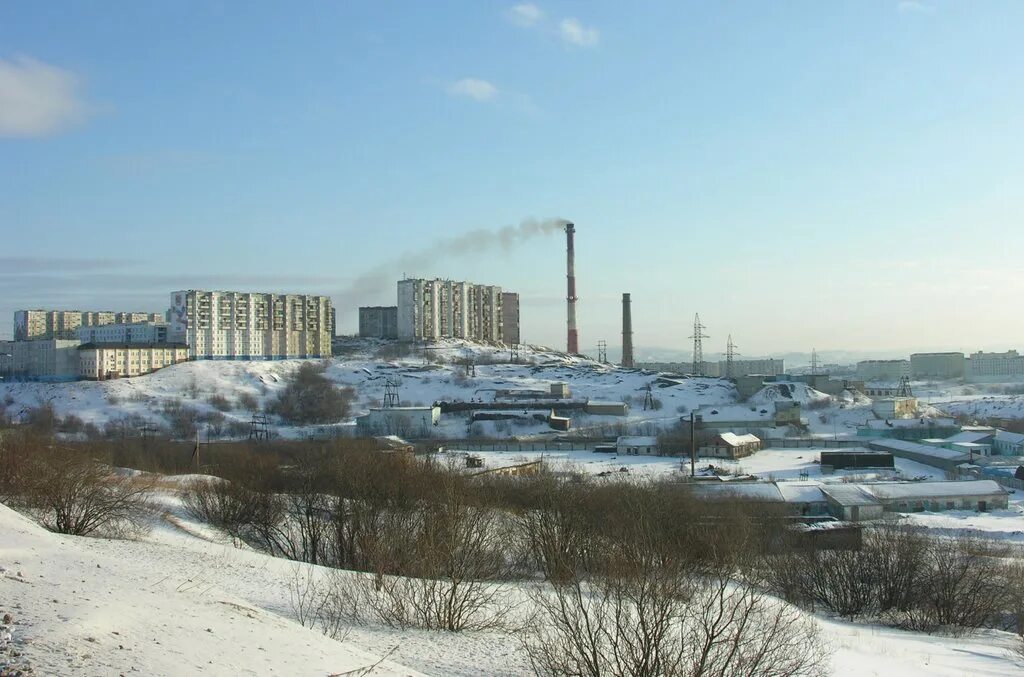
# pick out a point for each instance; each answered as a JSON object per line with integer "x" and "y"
{"x": 627, "y": 333}
{"x": 573, "y": 341}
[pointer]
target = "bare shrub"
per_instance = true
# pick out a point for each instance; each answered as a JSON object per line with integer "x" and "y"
{"x": 72, "y": 494}
{"x": 219, "y": 402}
{"x": 310, "y": 398}
{"x": 248, "y": 402}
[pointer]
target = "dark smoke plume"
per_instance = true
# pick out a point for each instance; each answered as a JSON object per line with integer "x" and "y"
{"x": 367, "y": 285}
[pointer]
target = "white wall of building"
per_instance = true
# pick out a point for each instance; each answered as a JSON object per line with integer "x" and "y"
{"x": 434, "y": 309}
{"x": 985, "y": 367}
{"x": 226, "y": 325}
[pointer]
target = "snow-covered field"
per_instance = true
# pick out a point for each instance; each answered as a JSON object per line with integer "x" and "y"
{"x": 185, "y": 600}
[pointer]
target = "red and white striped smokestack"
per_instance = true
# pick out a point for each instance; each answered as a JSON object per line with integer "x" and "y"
{"x": 573, "y": 341}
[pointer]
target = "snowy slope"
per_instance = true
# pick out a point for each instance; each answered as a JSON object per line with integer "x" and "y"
{"x": 94, "y": 606}
{"x": 183, "y": 600}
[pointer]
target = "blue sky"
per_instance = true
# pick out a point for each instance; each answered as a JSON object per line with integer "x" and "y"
{"x": 842, "y": 175}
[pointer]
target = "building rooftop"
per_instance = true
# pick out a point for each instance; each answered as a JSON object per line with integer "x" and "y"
{"x": 801, "y": 492}
{"x": 970, "y": 436}
{"x": 1011, "y": 438}
{"x": 898, "y": 490}
{"x": 915, "y": 448}
{"x": 734, "y": 440}
{"x": 751, "y": 491}
{"x": 882, "y": 424}
{"x": 737, "y": 412}
{"x": 637, "y": 441}
{"x": 848, "y": 494}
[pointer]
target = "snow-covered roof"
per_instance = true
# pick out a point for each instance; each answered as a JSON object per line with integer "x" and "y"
{"x": 737, "y": 412}
{"x": 915, "y": 448}
{"x": 734, "y": 440}
{"x": 801, "y": 492}
{"x": 1008, "y": 437}
{"x": 969, "y": 436}
{"x": 897, "y": 490}
{"x": 752, "y": 491}
{"x": 636, "y": 441}
{"x": 614, "y": 403}
{"x": 882, "y": 424}
{"x": 848, "y": 494}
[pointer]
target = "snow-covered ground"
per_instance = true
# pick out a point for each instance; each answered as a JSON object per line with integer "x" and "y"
{"x": 185, "y": 600}
{"x": 423, "y": 378}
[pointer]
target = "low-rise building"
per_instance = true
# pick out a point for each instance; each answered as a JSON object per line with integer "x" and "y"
{"x": 603, "y": 408}
{"x": 847, "y": 459}
{"x": 1006, "y": 443}
{"x": 980, "y": 495}
{"x": 730, "y": 445}
{"x": 39, "y": 360}
{"x": 633, "y": 445}
{"x": 909, "y": 428}
{"x": 103, "y": 361}
{"x": 404, "y": 421}
{"x": 851, "y": 503}
{"x": 895, "y": 407}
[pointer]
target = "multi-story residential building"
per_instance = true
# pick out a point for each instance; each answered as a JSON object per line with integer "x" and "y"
{"x": 995, "y": 367}
{"x": 228, "y": 325}
{"x": 378, "y": 322}
{"x": 937, "y": 365}
{"x": 882, "y": 370}
{"x": 510, "y": 318}
{"x": 435, "y": 309}
{"x": 31, "y": 325}
{"x": 766, "y": 367}
{"x": 39, "y": 360}
{"x": 102, "y": 361}
{"x": 140, "y": 332}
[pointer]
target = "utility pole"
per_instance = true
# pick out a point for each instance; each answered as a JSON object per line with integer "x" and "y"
{"x": 693, "y": 446}
{"x": 698, "y": 349}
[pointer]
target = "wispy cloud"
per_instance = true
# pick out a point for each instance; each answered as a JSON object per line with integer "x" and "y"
{"x": 914, "y": 6}
{"x": 37, "y": 99}
{"x": 525, "y": 14}
{"x": 574, "y": 33}
{"x": 473, "y": 88}
{"x": 569, "y": 30}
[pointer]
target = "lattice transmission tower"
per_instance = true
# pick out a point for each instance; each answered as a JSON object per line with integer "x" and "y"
{"x": 730, "y": 354}
{"x": 698, "y": 346}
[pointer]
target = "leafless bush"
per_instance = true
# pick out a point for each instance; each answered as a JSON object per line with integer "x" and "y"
{"x": 72, "y": 494}
{"x": 219, "y": 402}
{"x": 248, "y": 402}
{"x": 310, "y": 398}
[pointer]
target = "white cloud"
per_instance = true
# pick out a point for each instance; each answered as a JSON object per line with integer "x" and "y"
{"x": 37, "y": 99}
{"x": 575, "y": 33}
{"x": 525, "y": 14}
{"x": 908, "y": 6}
{"x": 473, "y": 88}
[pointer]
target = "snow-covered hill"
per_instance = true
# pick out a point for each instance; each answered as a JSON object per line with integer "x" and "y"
{"x": 438, "y": 374}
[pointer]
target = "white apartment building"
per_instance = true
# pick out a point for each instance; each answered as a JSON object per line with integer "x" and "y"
{"x": 985, "y": 367}
{"x": 882, "y": 370}
{"x": 32, "y": 325}
{"x": 102, "y": 361}
{"x": 937, "y": 365}
{"x": 229, "y": 325}
{"x": 764, "y": 367}
{"x": 39, "y": 360}
{"x": 435, "y": 309}
{"x": 139, "y": 332}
